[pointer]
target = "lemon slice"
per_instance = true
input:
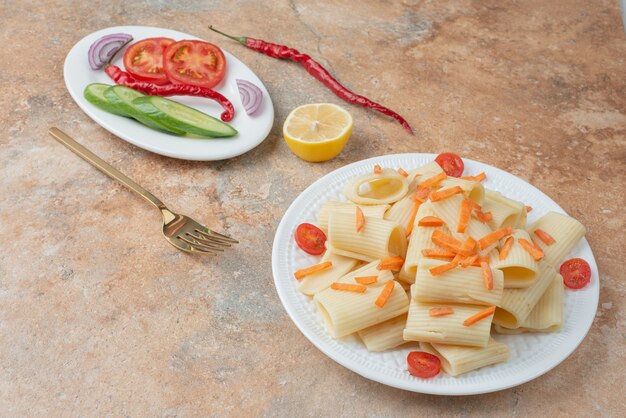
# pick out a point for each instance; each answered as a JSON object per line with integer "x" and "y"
{"x": 317, "y": 131}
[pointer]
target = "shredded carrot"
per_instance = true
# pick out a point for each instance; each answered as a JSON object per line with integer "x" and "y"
{"x": 508, "y": 243}
{"x": 366, "y": 279}
{"x": 464, "y": 216}
{"x": 536, "y": 243}
{"x": 494, "y": 236}
{"x": 391, "y": 263}
{"x": 421, "y": 195}
{"x": 430, "y": 221}
{"x": 469, "y": 247}
{"x": 403, "y": 173}
{"x": 473, "y": 204}
{"x": 360, "y": 219}
{"x": 483, "y": 217}
{"x": 480, "y": 260}
{"x": 441, "y": 254}
{"x": 441, "y": 311}
{"x": 487, "y": 275}
{"x": 468, "y": 261}
{"x": 436, "y": 271}
{"x": 409, "y": 227}
{"x": 544, "y": 237}
{"x": 377, "y": 169}
{"x": 528, "y": 208}
{"x": 445, "y": 193}
{"x": 302, "y": 273}
{"x": 429, "y": 182}
{"x": 349, "y": 287}
{"x": 446, "y": 241}
{"x": 479, "y": 315}
{"x": 532, "y": 249}
{"x": 479, "y": 177}
{"x": 385, "y": 294}
{"x": 458, "y": 258}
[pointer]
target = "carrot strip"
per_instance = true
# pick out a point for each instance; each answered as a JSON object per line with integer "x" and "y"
{"x": 436, "y": 271}
{"x": 468, "y": 261}
{"x": 302, "y": 273}
{"x": 464, "y": 216}
{"x": 385, "y": 294}
{"x": 366, "y": 279}
{"x": 434, "y": 253}
{"x": 480, "y": 260}
{"x": 421, "y": 195}
{"x": 445, "y": 193}
{"x": 360, "y": 219}
{"x": 458, "y": 258}
{"x": 544, "y": 237}
{"x": 483, "y": 217}
{"x": 441, "y": 311}
{"x": 479, "y": 315}
{"x": 468, "y": 247}
{"x": 494, "y": 236}
{"x": 349, "y": 287}
{"x": 528, "y": 208}
{"x": 446, "y": 241}
{"x": 403, "y": 173}
{"x": 478, "y": 178}
{"x": 377, "y": 169}
{"x": 532, "y": 249}
{"x": 429, "y": 182}
{"x": 409, "y": 227}
{"x": 391, "y": 263}
{"x": 473, "y": 204}
{"x": 487, "y": 275}
{"x": 430, "y": 221}
{"x": 506, "y": 248}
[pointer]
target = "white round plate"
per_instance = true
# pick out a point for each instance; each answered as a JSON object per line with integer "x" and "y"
{"x": 252, "y": 129}
{"x": 531, "y": 355}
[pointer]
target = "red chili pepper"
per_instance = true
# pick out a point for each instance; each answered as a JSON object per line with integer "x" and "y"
{"x": 316, "y": 70}
{"x": 173, "y": 89}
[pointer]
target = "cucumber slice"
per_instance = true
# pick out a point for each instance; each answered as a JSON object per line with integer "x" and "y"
{"x": 178, "y": 116}
{"x": 94, "y": 94}
{"x": 122, "y": 97}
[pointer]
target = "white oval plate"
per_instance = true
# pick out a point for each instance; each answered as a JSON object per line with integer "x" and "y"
{"x": 531, "y": 354}
{"x": 252, "y": 129}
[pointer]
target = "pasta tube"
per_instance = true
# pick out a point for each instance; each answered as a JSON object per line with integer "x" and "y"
{"x": 385, "y": 335}
{"x": 505, "y": 211}
{"x": 388, "y": 186}
{"x": 456, "y": 360}
{"x": 519, "y": 267}
{"x": 566, "y": 231}
{"x": 373, "y": 211}
{"x": 319, "y": 281}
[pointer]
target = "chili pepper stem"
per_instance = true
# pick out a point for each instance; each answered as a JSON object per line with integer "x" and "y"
{"x": 241, "y": 40}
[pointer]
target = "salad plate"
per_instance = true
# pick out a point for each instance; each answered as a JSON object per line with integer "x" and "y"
{"x": 531, "y": 354}
{"x": 252, "y": 130}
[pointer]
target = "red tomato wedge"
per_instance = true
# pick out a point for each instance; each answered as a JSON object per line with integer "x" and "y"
{"x": 194, "y": 62}
{"x": 144, "y": 59}
{"x": 310, "y": 239}
{"x": 423, "y": 364}
{"x": 576, "y": 273}
{"x": 451, "y": 163}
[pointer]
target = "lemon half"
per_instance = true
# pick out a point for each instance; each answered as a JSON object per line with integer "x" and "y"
{"x": 318, "y": 131}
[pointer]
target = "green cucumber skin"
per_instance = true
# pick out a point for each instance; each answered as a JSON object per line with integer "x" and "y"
{"x": 94, "y": 94}
{"x": 133, "y": 111}
{"x": 212, "y": 127}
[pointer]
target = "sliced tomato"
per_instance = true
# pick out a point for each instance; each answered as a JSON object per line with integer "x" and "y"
{"x": 423, "y": 364}
{"x": 451, "y": 163}
{"x": 194, "y": 62}
{"x": 144, "y": 59}
{"x": 576, "y": 273}
{"x": 310, "y": 239}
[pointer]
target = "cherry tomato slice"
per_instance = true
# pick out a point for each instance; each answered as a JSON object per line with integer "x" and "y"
{"x": 451, "y": 163}
{"x": 423, "y": 364}
{"x": 144, "y": 59}
{"x": 194, "y": 62}
{"x": 576, "y": 273}
{"x": 310, "y": 239}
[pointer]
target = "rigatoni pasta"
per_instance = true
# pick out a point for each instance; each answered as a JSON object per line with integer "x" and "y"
{"x": 519, "y": 267}
{"x": 384, "y": 336}
{"x": 373, "y": 211}
{"x": 565, "y": 230}
{"x": 456, "y": 359}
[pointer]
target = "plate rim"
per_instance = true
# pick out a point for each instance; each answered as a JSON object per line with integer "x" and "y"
{"x": 419, "y": 386}
{"x": 113, "y": 129}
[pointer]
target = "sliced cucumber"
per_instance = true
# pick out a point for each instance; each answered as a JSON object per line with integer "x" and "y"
{"x": 94, "y": 94}
{"x": 122, "y": 97}
{"x": 178, "y": 116}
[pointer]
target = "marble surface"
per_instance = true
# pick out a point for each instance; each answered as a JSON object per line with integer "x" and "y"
{"x": 99, "y": 316}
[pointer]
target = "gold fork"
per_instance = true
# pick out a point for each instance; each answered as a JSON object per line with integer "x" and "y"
{"x": 181, "y": 231}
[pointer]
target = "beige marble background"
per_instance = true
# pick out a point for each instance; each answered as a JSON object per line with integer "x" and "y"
{"x": 99, "y": 316}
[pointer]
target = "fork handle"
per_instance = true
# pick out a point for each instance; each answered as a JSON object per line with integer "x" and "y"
{"x": 103, "y": 166}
